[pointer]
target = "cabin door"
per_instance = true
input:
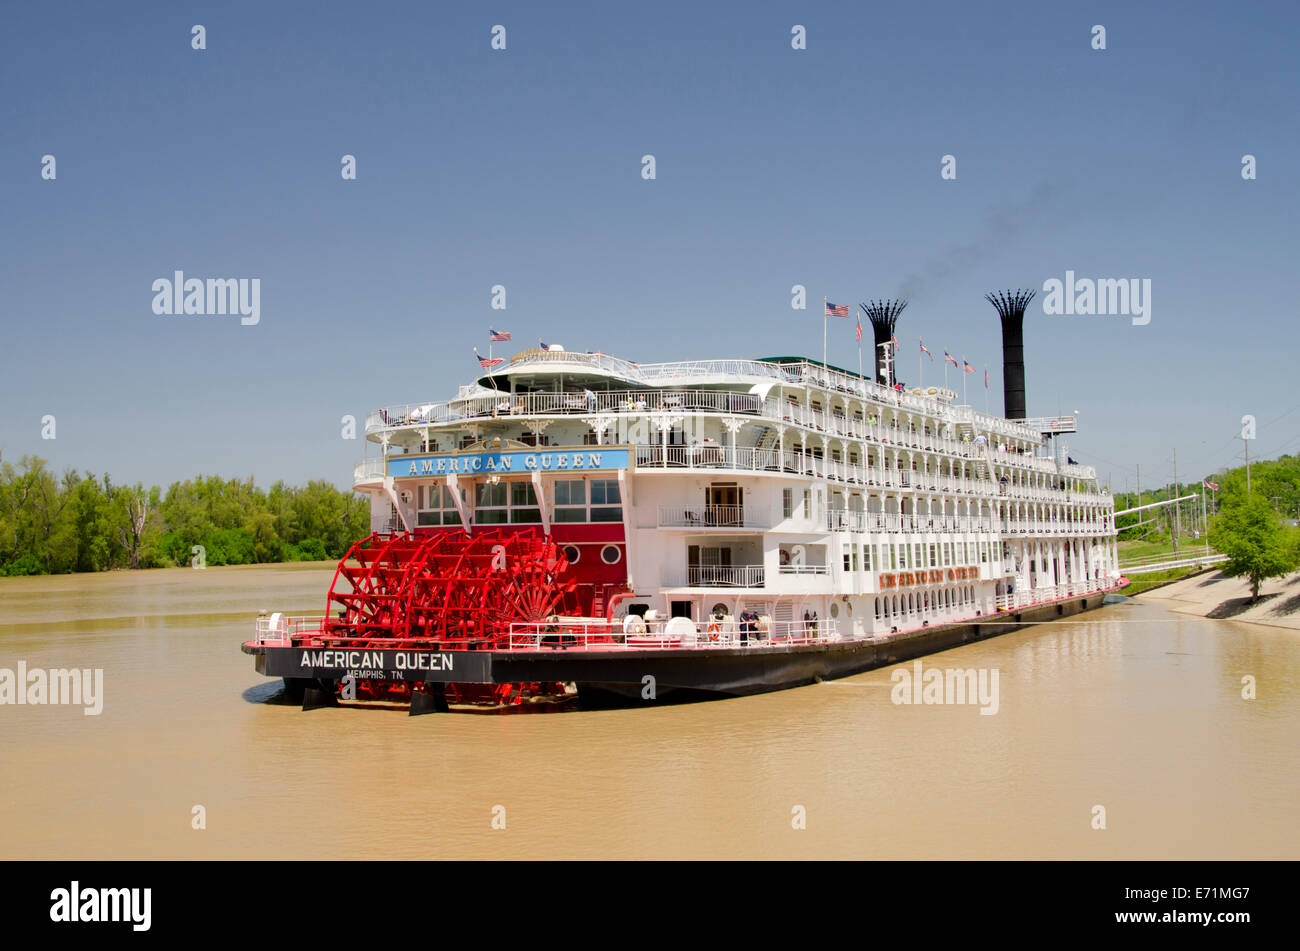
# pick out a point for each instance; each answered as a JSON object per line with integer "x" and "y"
{"x": 724, "y": 504}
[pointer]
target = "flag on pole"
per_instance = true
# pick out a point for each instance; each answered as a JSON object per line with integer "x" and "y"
{"x": 485, "y": 363}
{"x": 895, "y": 339}
{"x": 986, "y": 378}
{"x": 949, "y": 358}
{"x": 544, "y": 346}
{"x": 837, "y": 310}
{"x": 967, "y": 367}
{"x": 498, "y": 336}
{"x": 926, "y": 350}
{"x": 859, "y": 328}
{"x": 1212, "y": 486}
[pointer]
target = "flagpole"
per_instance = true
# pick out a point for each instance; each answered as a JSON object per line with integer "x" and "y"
{"x": 964, "y": 364}
{"x": 986, "y": 389}
{"x": 823, "y": 334}
{"x": 858, "y": 334}
{"x": 920, "y": 367}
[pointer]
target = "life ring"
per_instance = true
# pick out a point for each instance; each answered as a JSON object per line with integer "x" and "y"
{"x": 714, "y": 630}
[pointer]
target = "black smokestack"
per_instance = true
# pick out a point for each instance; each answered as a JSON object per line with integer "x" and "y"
{"x": 1011, "y": 306}
{"x": 883, "y": 315}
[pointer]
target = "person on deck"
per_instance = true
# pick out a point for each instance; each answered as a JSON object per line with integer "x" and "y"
{"x": 748, "y": 624}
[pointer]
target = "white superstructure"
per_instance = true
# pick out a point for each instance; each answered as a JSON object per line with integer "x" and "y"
{"x": 783, "y": 486}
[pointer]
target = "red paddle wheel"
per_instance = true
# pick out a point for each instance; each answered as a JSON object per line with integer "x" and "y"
{"x": 448, "y": 590}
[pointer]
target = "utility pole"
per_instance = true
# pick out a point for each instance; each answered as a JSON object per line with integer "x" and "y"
{"x": 1205, "y": 523}
{"x": 1178, "y": 521}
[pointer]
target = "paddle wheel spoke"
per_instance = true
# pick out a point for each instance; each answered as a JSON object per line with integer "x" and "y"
{"x": 447, "y": 590}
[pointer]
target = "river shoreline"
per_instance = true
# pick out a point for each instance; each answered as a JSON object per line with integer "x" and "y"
{"x": 1212, "y": 596}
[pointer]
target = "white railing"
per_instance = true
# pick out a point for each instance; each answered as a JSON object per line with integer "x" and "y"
{"x": 555, "y": 403}
{"x": 716, "y": 576}
{"x": 278, "y": 628}
{"x": 589, "y": 634}
{"x": 708, "y": 516}
{"x": 368, "y": 471}
{"x": 1049, "y": 593}
{"x": 865, "y": 425}
{"x": 854, "y": 521}
{"x": 803, "y": 570}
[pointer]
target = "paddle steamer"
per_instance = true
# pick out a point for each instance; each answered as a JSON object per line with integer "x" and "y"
{"x": 579, "y": 523}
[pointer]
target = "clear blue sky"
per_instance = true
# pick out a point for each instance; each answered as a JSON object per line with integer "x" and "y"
{"x": 775, "y": 167}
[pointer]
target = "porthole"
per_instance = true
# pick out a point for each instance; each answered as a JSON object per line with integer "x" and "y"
{"x": 835, "y": 609}
{"x": 611, "y": 555}
{"x": 572, "y": 553}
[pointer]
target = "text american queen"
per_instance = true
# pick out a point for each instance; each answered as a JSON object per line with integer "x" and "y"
{"x": 509, "y": 462}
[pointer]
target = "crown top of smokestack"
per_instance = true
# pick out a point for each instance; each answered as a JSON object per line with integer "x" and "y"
{"x": 1010, "y": 305}
{"x": 884, "y": 313}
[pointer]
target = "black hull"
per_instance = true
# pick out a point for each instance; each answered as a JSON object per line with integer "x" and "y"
{"x": 764, "y": 669}
{"x": 622, "y": 676}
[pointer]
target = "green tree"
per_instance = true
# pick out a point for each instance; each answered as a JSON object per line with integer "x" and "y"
{"x": 1250, "y": 533}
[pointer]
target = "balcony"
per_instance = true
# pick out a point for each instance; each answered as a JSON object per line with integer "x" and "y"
{"x": 371, "y": 470}
{"x": 716, "y": 576}
{"x": 708, "y": 516}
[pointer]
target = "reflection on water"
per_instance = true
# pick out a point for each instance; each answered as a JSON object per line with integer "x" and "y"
{"x": 1129, "y": 707}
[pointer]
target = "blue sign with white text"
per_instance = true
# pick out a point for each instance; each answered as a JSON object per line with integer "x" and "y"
{"x": 573, "y": 460}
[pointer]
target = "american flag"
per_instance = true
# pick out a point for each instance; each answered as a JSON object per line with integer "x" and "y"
{"x": 1212, "y": 486}
{"x": 950, "y": 358}
{"x": 498, "y": 336}
{"x": 544, "y": 346}
{"x": 837, "y": 310}
{"x": 986, "y": 378}
{"x": 859, "y": 328}
{"x": 485, "y": 363}
{"x": 967, "y": 367}
{"x": 925, "y": 349}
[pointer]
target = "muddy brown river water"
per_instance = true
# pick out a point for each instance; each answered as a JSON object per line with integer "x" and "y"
{"x": 1131, "y": 708}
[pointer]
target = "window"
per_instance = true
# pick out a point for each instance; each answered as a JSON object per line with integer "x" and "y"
{"x": 605, "y": 494}
{"x": 611, "y": 554}
{"x": 787, "y": 503}
{"x": 572, "y": 553}
{"x": 866, "y": 557}
{"x": 902, "y": 557}
{"x": 523, "y": 503}
{"x": 934, "y": 555}
{"x": 490, "y": 503}
{"x": 437, "y": 506}
{"x": 570, "y": 500}
{"x": 807, "y": 503}
{"x": 848, "y": 558}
